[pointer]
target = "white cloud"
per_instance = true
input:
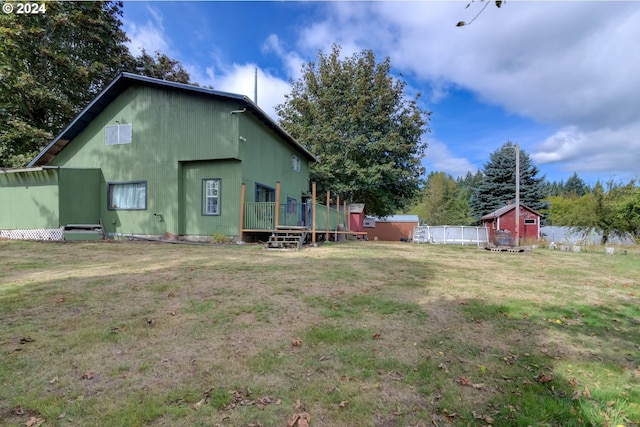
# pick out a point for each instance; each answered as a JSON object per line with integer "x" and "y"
{"x": 240, "y": 79}
{"x": 566, "y": 64}
{"x": 439, "y": 158}
{"x": 150, "y": 35}
{"x": 593, "y": 151}
{"x": 291, "y": 60}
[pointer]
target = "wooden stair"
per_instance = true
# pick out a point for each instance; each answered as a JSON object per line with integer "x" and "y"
{"x": 287, "y": 239}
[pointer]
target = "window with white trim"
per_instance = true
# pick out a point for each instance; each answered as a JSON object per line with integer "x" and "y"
{"x": 127, "y": 195}
{"x": 295, "y": 163}
{"x": 118, "y": 134}
{"x": 210, "y": 197}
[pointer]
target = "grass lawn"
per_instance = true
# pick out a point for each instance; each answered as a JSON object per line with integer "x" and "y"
{"x": 355, "y": 334}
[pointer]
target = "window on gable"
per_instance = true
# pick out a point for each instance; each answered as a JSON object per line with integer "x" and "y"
{"x": 210, "y": 197}
{"x": 295, "y": 163}
{"x": 127, "y": 196}
{"x": 118, "y": 134}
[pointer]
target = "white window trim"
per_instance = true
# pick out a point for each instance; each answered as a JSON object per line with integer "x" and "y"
{"x": 206, "y": 196}
{"x": 118, "y": 134}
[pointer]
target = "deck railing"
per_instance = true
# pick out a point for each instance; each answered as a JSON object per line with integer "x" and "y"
{"x": 259, "y": 215}
{"x": 262, "y": 216}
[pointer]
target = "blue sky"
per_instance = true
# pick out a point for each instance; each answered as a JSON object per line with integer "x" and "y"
{"x": 562, "y": 79}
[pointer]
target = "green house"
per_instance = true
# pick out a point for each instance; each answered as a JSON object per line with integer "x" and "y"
{"x": 153, "y": 158}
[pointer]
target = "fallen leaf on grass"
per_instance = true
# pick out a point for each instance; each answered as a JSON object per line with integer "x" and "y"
{"x": 344, "y": 404}
{"x": 26, "y": 340}
{"x": 35, "y": 422}
{"x": 376, "y": 336}
{"x": 205, "y": 399}
{"x": 173, "y": 312}
{"x": 88, "y": 375}
{"x": 543, "y": 378}
{"x": 296, "y": 342}
{"x": 464, "y": 381}
{"x": 299, "y": 420}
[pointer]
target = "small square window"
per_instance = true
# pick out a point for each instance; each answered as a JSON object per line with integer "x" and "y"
{"x": 118, "y": 134}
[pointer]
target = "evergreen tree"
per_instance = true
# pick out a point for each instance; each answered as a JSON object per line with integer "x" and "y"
{"x": 575, "y": 185}
{"x": 498, "y": 186}
{"x": 367, "y": 133}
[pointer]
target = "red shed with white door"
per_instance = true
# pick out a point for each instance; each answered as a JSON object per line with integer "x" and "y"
{"x": 505, "y": 219}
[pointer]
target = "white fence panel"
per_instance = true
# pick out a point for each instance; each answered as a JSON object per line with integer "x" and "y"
{"x": 450, "y": 235}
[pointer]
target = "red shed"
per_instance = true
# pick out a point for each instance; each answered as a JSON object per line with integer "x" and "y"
{"x": 505, "y": 219}
{"x": 356, "y": 217}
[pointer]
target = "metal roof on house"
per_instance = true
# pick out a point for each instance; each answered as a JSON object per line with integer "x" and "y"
{"x": 125, "y": 80}
{"x": 503, "y": 210}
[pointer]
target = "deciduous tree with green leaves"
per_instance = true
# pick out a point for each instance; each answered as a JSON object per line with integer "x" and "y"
{"x": 498, "y": 186}
{"x": 367, "y": 133}
{"x": 443, "y": 202}
{"x": 52, "y": 64}
{"x": 613, "y": 211}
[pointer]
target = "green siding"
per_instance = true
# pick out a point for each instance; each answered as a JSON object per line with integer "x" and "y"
{"x": 266, "y": 159}
{"x": 168, "y": 127}
{"x": 29, "y": 200}
{"x": 79, "y": 196}
{"x": 178, "y": 138}
{"x": 195, "y": 223}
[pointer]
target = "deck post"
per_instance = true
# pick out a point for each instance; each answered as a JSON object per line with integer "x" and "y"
{"x": 345, "y": 214}
{"x": 326, "y": 228}
{"x": 335, "y": 238}
{"x": 277, "y": 214}
{"x": 313, "y": 212}
{"x": 242, "y": 191}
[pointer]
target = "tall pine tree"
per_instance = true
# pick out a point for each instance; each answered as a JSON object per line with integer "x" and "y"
{"x": 498, "y": 186}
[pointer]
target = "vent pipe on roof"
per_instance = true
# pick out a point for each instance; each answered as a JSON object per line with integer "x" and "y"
{"x": 255, "y": 87}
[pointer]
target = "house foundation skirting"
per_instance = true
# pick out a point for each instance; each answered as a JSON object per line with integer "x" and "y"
{"x": 34, "y": 234}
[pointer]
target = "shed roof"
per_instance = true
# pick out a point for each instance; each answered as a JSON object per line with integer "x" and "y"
{"x": 503, "y": 210}
{"x": 356, "y": 208}
{"x": 125, "y": 80}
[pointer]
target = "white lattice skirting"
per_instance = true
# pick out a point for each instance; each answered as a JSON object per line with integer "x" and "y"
{"x": 35, "y": 234}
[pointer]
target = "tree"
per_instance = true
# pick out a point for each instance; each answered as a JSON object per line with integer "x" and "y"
{"x": 443, "y": 202}
{"x": 50, "y": 66}
{"x": 614, "y": 211}
{"x": 366, "y": 132}
{"x": 159, "y": 66}
{"x": 576, "y": 185}
{"x": 498, "y": 187}
{"x": 53, "y": 64}
{"x": 462, "y": 23}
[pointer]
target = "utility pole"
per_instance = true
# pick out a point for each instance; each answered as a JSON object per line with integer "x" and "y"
{"x": 517, "y": 236}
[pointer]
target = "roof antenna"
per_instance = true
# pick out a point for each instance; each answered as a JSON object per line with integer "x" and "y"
{"x": 255, "y": 86}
